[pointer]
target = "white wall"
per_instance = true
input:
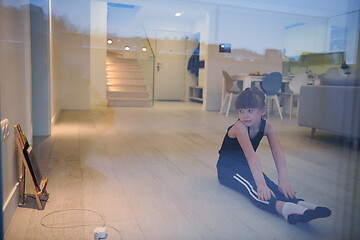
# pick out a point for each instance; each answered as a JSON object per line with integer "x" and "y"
{"x": 15, "y": 91}
{"x": 54, "y": 81}
{"x": 40, "y": 58}
{"x": 202, "y": 26}
{"x": 119, "y": 43}
{"x": 256, "y": 38}
{"x": 98, "y": 53}
{"x": 309, "y": 36}
{"x": 350, "y": 24}
{"x": 71, "y": 53}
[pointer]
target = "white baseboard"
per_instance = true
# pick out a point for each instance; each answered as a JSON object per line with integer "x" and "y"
{"x": 10, "y": 206}
{"x": 54, "y": 118}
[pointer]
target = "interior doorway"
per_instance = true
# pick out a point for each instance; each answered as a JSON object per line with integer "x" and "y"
{"x": 170, "y": 65}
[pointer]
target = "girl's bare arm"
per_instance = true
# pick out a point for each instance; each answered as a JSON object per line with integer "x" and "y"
{"x": 241, "y": 133}
{"x": 280, "y": 162}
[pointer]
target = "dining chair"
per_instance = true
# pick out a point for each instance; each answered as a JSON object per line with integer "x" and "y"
{"x": 271, "y": 85}
{"x": 230, "y": 92}
{"x": 333, "y": 71}
{"x": 295, "y": 84}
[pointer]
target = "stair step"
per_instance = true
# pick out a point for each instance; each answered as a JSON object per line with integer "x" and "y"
{"x": 110, "y": 78}
{"x": 124, "y": 75}
{"x": 118, "y": 82}
{"x": 115, "y": 58}
{"x": 127, "y": 94}
{"x": 120, "y": 60}
{"x": 123, "y": 69}
{"x": 113, "y": 65}
{"x": 125, "y": 82}
{"x": 124, "y": 87}
{"x": 120, "y": 63}
{"x": 120, "y": 55}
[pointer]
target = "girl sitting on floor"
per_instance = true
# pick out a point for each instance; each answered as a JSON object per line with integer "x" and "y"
{"x": 239, "y": 166}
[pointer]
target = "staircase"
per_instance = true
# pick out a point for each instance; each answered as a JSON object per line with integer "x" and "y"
{"x": 125, "y": 83}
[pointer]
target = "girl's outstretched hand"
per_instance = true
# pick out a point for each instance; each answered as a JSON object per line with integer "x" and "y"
{"x": 286, "y": 189}
{"x": 264, "y": 193}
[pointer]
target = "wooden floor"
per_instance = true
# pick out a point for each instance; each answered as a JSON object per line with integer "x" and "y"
{"x": 149, "y": 173}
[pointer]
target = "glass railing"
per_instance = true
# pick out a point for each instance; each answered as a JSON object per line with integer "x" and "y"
{"x": 146, "y": 59}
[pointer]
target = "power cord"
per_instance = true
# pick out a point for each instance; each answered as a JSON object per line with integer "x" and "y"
{"x": 77, "y": 224}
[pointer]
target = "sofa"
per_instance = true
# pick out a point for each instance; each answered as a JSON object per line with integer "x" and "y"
{"x": 332, "y": 106}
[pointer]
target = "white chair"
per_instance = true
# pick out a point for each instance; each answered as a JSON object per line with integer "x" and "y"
{"x": 230, "y": 92}
{"x": 295, "y": 84}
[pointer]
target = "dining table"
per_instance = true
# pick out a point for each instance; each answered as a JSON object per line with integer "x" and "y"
{"x": 247, "y": 79}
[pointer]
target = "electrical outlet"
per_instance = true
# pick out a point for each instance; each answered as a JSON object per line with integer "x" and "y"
{"x": 5, "y": 131}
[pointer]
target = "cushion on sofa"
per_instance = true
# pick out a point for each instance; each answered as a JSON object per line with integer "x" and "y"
{"x": 334, "y": 79}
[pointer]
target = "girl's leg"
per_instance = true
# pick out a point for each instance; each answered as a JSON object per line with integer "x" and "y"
{"x": 279, "y": 195}
{"x": 317, "y": 211}
{"x": 239, "y": 178}
{"x": 294, "y": 213}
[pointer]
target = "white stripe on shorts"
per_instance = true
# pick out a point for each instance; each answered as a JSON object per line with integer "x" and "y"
{"x": 249, "y": 187}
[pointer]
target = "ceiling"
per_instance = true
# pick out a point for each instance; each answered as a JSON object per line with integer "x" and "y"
{"x": 314, "y": 8}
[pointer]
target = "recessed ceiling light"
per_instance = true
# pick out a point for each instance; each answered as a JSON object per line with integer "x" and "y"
{"x": 178, "y": 14}
{"x": 127, "y": 48}
{"x": 144, "y": 49}
{"x": 109, "y": 41}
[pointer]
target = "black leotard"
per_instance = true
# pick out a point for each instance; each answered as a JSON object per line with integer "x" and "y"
{"x": 232, "y": 146}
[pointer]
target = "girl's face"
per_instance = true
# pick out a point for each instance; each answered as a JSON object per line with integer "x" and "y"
{"x": 251, "y": 116}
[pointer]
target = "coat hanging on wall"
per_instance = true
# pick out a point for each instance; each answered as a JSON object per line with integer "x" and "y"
{"x": 193, "y": 64}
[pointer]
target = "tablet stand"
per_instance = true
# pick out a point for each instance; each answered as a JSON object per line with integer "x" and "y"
{"x": 27, "y": 166}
